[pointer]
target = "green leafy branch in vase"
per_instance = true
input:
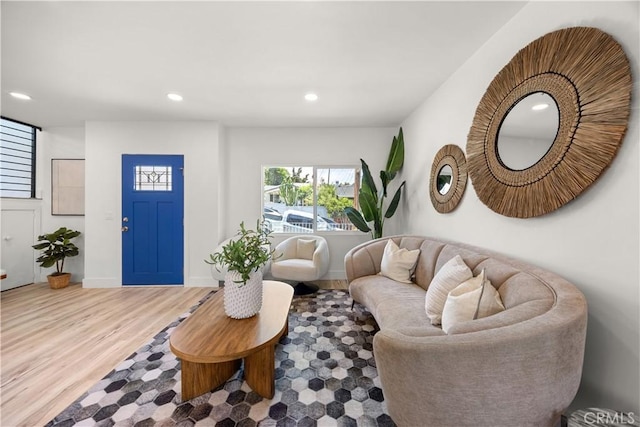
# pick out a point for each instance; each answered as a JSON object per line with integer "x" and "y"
{"x": 372, "y": 201}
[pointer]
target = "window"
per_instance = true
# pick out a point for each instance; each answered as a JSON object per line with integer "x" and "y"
{"x": 17, "y": 159}
{"x": 152, "y": 178}
{"x": 307, "y": 199}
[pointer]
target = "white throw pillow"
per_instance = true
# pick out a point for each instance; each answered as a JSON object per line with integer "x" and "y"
{"x": 450, "y": 275}
{"x": 490, "y": 302}
{"x": 305, "y": 248}
{"x": 462, "y": 303}
{"x": 398, "y": 264}
{"x": 473, "y": 299}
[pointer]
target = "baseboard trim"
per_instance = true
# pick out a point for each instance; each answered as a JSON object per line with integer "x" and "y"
{"x": 195, "y": 282}
{"x": 101, "y": 283}
{"x": 201, "y": 282}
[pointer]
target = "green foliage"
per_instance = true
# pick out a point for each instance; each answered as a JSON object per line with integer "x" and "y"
{"x": 248, "y": 253}
{"x": 275, "y": 176}
{"x": 288, "y": 192}
{"x": 371, "y": 200}
{"x": 305, "y": 194}
{"x": 296, "y": 176}
{"x": 55, "y": 248}
{"x": 328, "y": 198}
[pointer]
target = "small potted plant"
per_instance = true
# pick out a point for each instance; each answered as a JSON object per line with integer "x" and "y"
{"x": 56, "y": 247}
{"x": 245, "y": 257}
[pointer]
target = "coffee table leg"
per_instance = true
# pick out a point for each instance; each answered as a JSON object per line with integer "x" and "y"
{"x": 259, "y": 371}
{"x": 199, "y": 378}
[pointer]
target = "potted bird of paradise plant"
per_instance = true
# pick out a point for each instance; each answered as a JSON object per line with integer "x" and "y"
{"x": 371, "y": 200}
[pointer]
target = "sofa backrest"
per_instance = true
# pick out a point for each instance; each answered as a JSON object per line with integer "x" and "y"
{"x": 526, "y": 291}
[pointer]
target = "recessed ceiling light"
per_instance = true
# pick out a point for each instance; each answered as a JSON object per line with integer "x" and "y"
{"x": 174, "y": 97}
{"x": 311, "y": 97}
{"x": 539, "y": 107}
{"x": 19, "y": 95}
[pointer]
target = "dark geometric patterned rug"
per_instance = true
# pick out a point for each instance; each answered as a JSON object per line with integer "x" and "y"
{"x": 325, "y": 376}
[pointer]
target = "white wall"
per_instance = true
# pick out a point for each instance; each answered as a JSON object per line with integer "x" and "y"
{"x": 61, "y": 143}
{"x": 105, "y": 144}
{"x": 21, "y": 220}
{"x": 248, "y": 149}
{"x": 592, "y": 241}
{"x": 51, "y": 143}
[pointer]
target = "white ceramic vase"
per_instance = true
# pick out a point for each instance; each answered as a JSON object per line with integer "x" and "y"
{"x": 242, "y": 301}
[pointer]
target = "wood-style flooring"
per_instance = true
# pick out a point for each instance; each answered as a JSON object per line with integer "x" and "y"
{"x": 56, "y": 344}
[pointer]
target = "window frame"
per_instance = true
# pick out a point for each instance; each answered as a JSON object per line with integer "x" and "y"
{"x": 315, "y": 214}
{"x": 33, "y": 169}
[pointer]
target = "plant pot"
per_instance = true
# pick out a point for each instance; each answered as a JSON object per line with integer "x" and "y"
{"x": 59, "y": 281}
{"x": 242, "y": 300}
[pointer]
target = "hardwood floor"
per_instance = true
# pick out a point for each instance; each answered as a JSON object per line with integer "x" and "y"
{"x": 56, "y": 344}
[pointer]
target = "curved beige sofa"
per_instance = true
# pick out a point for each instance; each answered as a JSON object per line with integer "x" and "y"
{"x": 521, "y": 367}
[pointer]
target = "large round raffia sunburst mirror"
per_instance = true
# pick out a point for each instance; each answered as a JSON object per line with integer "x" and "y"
{"x": 586, "y": 74}
{"x": 448, "y": 178}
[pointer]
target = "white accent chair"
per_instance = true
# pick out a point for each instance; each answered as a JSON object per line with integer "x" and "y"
{"x": 301, "y": 259}
{"x": 220, "y": 271}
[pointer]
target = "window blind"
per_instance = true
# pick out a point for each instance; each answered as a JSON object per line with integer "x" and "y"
{"x": 17, "y": 159}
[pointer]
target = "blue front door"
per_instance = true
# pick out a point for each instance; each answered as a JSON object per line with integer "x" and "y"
{"x": 152, "y": 219}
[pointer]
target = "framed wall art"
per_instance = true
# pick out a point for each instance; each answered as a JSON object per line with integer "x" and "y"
{"x": 67, "y": 187}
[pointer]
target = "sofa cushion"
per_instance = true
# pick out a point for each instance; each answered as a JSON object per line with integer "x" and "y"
{"x": 474, "y": 299}
{"x": 426, "y": 266}
{"x": 305, "y": 248}
{"x": 394, "y": 305}
{"x": 295, "y": 269}
{"x": 452, "y": 274}
{"x": 398, "y": 264}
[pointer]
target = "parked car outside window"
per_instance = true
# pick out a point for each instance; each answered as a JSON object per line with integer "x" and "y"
{"x": 294, "y": 221}
{"x": 273, "y": 220}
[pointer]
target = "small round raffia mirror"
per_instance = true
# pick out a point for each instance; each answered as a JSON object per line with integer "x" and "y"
{"x": 448, "y": 178}
{"x": 585, "y": 74}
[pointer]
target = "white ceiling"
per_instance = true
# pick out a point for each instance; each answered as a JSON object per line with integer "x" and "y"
{"x": 240, "y": 63}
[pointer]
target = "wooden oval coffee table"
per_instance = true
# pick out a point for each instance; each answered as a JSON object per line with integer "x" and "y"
{"x": 210, "y": 344}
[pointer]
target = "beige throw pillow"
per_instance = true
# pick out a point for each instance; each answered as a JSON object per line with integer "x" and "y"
{"x": 474, "y": 299}
{"x": 450, "y": 275}
{"x": 305, "y": 248}
{"x": 398, "y": 264}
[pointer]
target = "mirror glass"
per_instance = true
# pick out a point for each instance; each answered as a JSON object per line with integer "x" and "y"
{"x": 444, "y": 179}
{"x": 528, "y": 131}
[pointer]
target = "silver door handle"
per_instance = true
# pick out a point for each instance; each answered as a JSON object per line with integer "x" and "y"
{"x": 125, "y": 228}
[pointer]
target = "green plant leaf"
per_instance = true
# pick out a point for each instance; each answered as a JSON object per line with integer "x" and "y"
{"x": 356, "y": 219}
{"x": 49, "y": 262}
{"x": 394, "y": 202}
{"x": 396, "y": 155}
{"x": 377, "y": 229}
{"x": 368, "y": 185}
{"x": 370, "y": 201}
{"x": 56, "y": 247}
{"x": 384, "y": 177}
{"x": 245, "y": 254}
{"x": 368, "y": 206}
